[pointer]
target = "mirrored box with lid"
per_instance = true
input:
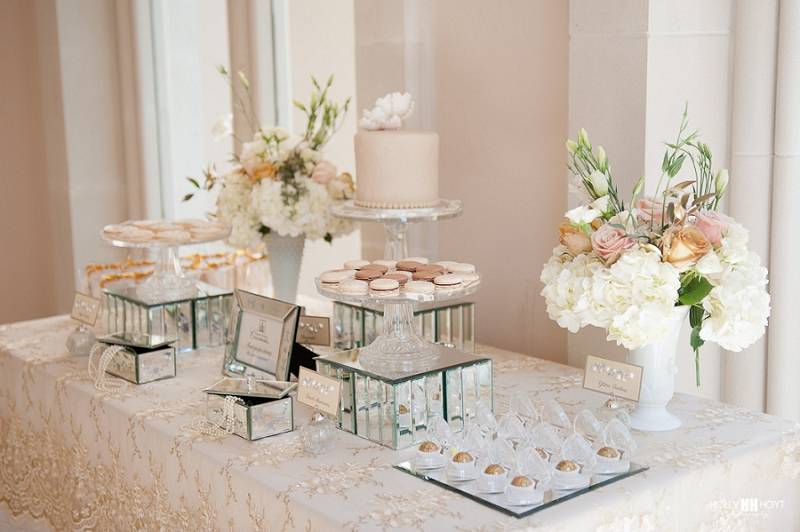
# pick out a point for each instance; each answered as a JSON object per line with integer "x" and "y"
{"x": 450, "y": 324}
{"x": 197, "y": 322}
{"x": 395, "y": 410}
{"x": 255, "y": 418}
{"x": 144, "y": 359}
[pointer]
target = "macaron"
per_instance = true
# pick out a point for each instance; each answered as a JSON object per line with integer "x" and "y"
{"x": 398, "y": 276}
{"x": 384, "y": 285}
{"x": 334, "y": 277}
{"x": 356, "y": 264}
{"x": 422, "y": 275}
{"x": 368, "y": 275}
{"x": 379, "y": 267}
{"x": 386, "y": 262}
{"x": 353, "y": 287}
{"x": 421, "y": 260}
{"x": 408, "y": 265}
{"x": 407, "y": 275}
{"x": 462, "y": 267}
{"x": 468, "y": 278}
{"x": 446, "y": 264}
{"x": 448, "y": 280}
{"x": 420, "y": 287}
{"x": 431, "y": 268}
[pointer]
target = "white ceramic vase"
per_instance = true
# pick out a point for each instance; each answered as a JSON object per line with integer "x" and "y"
{"x": 285, "y": 256}
{"x": 658, "y": 378}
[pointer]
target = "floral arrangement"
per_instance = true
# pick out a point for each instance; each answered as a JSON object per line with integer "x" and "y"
{"x": 281, "y": 182}
{"x": 625, "y": 268}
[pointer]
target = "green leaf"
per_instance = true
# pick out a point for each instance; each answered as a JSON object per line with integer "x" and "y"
{"x": 187, "y": 197}
{"x": 193, "y": 181}
{"x": 328, "y": 238}
{"x": 694, "y": 339}
{"x": 693, "y": 290}
{"x": 264, "y": 230}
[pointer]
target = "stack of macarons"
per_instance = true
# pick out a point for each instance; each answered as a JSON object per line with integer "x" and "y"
{"x": 414, "y": 275}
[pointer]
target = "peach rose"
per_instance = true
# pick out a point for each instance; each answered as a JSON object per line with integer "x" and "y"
{"x": 683, "y": 246}
{"x": 712, "y": 224}
{"x": 263, "y": 171}
{"x": 574, "y": 239}
{"x": 610, "y": 242}
{"x": 323, "y": 172}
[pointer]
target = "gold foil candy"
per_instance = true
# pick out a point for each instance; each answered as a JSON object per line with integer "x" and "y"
{"x": 567, "y": 466}
{"x": 462, "y": 458}
{"x": 428, "y": 447}
{"x": 494, "y": 469}
{"x": 521, "y": 482}
{"x": 608, "y": 452}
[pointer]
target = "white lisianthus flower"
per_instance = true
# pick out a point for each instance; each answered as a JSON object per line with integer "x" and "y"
{"x": 600, "y": 204}
{"x": 599, "y": 182}
{"x": 738, "y": 306}
{"x": 582, "y": 215}
{"x": 222, "y": 128}
{"x": 252, "y": 154}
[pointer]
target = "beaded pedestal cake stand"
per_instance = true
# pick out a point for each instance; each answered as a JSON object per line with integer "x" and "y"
{"x": 396, "y": 221}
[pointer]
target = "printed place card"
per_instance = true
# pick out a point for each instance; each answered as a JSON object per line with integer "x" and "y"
{"x": 613, "y": 378}
{"x": 318, "y": 391}
{"x": 85, "y": 309}
{"x": 314, "y": 330}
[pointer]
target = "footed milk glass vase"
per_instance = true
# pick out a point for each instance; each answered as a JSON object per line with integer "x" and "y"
{"x": 658, "y": 378}
{"x": 285, "y": 257}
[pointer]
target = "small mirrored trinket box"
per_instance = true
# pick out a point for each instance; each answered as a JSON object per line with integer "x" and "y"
{"x": 196, "y": 322}
{"x": 261, "y": 408}
{"x": 145, "y": 358}
{"x": 394, "y": 410}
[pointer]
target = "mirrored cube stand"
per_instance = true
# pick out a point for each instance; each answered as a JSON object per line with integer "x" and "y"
{"x": 394, "y": 410}
{"x": 198, "y": 321}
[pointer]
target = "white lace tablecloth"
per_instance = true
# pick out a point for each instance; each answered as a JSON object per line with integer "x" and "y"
{"x": 84, "y": 459}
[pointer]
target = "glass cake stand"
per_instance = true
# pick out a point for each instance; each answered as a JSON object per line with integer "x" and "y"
{"x": 399, "y": 348}
{"x": 168, "y": 281}
{"x": 395, "y": 221}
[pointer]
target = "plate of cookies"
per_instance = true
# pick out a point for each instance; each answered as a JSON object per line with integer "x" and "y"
{"x": 160, "y": 233}
{"x": 407, "y": 280}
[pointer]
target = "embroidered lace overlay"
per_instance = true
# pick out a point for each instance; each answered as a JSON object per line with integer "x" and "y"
{"x": 127, "y": 459}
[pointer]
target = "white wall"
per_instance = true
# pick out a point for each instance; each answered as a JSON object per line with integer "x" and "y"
{"x": 633, "y": 66}
{"x": 501, "y": 105}
{"x": 321, "y": 41}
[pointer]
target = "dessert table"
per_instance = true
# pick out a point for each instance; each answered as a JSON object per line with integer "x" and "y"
{"x": 84, "y": 459}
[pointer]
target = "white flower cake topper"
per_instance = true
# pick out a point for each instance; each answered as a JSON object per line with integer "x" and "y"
{"x": 389, "y": 112}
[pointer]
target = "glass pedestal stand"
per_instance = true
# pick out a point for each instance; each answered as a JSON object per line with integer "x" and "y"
{"x": 168, "y": 282}
{"x": 395, "y": 221}
{"x": 399, "y": 349}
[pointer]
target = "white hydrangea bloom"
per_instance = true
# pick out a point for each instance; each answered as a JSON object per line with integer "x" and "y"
{"x": 738, "y": 306}
{"x": 567, "y": 287}
{"x": 235, "y": 207}
{"x": 389, "y": 112}
{"x": 733, "y": 246}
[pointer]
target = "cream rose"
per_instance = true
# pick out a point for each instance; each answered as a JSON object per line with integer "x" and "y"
{"x": 712, "y": 224}
{"x": 574, "y": 239}
{"x": 323, "y": 172}
{"x": 610, "y": 242}
{"x": 684, "y": 246}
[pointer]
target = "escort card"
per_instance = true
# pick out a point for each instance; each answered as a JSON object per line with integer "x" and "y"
{"x": 318, "y": 391}
{"x": 610, "y": 377}
{"x": 85, "y": 309}
{"x": 314, "y": 330}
